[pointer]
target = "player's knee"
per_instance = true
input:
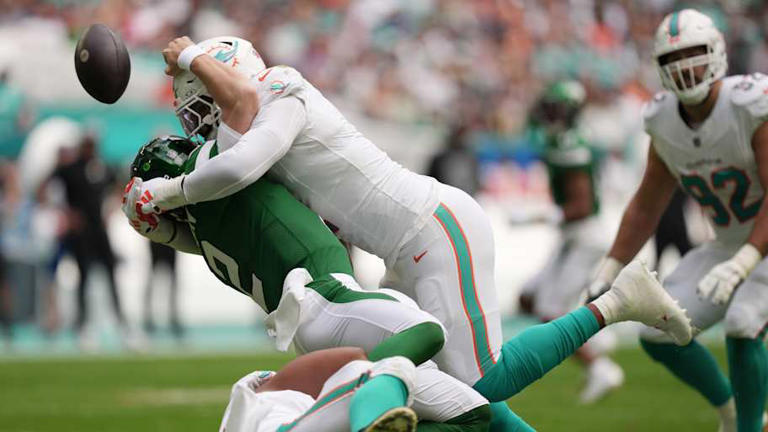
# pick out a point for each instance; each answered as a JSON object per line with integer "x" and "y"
{"x": 433, "y": 337}
{"x": 742, "y": 321}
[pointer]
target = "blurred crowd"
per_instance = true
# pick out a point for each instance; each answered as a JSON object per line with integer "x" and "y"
{"x": 470, "y": 68}
{"x": 479, "y": 62}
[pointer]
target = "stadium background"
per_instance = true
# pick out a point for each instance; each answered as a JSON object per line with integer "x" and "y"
{"x": 408, "y": 74}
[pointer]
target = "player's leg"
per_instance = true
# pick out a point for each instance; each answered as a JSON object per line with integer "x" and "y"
{"x": 337, "y": 312}
{"x": 448, "y": 268}
{"x": 745, "y": 326}
{"x": 693, "y": 364}
{"x": 635, "y": 296}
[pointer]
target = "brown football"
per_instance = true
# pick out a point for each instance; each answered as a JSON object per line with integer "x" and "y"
{"x": 102, "y": 63}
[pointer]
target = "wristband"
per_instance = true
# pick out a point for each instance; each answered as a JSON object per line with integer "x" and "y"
{"x": 187, "y": 55}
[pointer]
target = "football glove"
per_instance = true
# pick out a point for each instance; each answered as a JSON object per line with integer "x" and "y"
{"x": 718, "y": 285}
{"x": 134, "y": 198}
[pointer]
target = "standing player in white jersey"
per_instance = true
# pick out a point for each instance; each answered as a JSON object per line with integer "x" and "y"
{"x": 708, "y": 133}
{"x": 435, "y": 239}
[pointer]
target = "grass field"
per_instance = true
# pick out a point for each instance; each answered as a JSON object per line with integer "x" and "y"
{"x": 190, "y": 393}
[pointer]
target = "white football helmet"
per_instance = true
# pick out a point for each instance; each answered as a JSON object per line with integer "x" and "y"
{"x": 686, "y": 29}
{"x": 195, "y": 108}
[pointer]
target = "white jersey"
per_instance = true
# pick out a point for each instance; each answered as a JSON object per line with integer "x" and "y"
{"x": 372, "y": 201}
{"x": 715, "y": 163}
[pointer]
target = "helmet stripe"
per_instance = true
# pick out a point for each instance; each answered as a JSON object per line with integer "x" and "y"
{"x": 674, "y": 24}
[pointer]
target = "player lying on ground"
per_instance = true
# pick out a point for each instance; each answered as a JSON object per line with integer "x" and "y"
{"x": 436, "y": 240}
{"x": 636, "y": 294}
{"x": 558, "y": 287}
{"x": 708, "y": 133}
{"x": 339, "y": 390}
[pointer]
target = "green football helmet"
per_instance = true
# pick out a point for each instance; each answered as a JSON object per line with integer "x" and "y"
{"x": 558, "y": 106}
{"x": 165, "y": 156}
{"x": 162, "y": 157}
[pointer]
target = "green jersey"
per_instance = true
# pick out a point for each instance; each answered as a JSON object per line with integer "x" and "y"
{"x": 568, "y": 152}
{"x": 253, "y": 238}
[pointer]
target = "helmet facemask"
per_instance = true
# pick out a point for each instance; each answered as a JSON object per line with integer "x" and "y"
{"x": 690, "y": 77}
{"x": 199, "y": 115}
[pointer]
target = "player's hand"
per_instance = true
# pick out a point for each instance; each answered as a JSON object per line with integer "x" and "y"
{"x": 143, "y": 223}
{"x": 171, "y": 54}
{"x": 718, "y": 285}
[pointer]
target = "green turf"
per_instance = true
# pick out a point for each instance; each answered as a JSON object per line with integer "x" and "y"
{"x": 190, "y": 393}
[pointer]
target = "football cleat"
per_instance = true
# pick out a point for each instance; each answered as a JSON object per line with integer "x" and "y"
{"x": 637, "y": 295}
{"x": 400, "y": 419}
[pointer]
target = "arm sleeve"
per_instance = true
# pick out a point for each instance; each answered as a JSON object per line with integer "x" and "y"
{"x": 270, "y": 137}
{"x": 175, "y": 234}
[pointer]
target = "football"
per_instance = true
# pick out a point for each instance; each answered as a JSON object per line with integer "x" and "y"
{"x": 102, "y": 63}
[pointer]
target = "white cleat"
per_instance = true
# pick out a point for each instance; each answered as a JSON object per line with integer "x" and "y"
{"x": 603, "y": 376}
{"x": 636, "y": 295}
{"x": 400, "y": 419}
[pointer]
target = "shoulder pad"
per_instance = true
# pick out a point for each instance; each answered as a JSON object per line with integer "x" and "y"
{"x": 751, "y": 94}
{"x": 278, "y": 82}
{"x": 652, "y": 107}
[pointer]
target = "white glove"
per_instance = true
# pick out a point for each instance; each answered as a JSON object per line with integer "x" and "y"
{"x": 719, "y": 283}
{"x": 162, "y": 194}
{"x": 134, "y": 199}
{"x": 603, "y": 278}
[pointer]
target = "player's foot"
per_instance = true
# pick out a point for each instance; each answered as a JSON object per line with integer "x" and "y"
{"x": 400, "y": 419}
{"x": 636, "y": 295}
{"x": 603, "y": 376}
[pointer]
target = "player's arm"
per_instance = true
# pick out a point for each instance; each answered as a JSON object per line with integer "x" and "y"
{"x": 644, "y": 210}
{"x": 759, "y": 235}
{"x": 579, "y": 200}
{"x": 722, "y": 280}
{"x": 273, "y": 131}
{"x": 639, "y": 221}
{"x": 175, "y": 234}
{"x": 308, "y": 373}
{"x": 231, "y": 91}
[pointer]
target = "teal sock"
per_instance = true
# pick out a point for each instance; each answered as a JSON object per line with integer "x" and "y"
{"x": 534, "y": 352}
{"x": 748, "y": 363}
{"x": 695, "y": 366}
{"x": 504, "y": 420}
{"x": 374, "y": 398}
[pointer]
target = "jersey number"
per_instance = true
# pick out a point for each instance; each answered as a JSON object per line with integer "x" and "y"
{"x": 701, "y": 191}
{"x": 227, "y": 269}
